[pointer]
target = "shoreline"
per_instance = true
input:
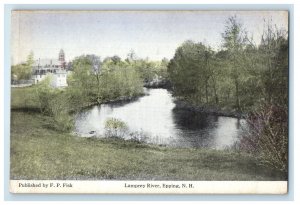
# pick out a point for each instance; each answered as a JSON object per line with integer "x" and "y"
{"x": 39, "y": 145}
{"x": 183, "y": 105}
{"x": 116, "y": 159}
{"x": 180, "y": 105}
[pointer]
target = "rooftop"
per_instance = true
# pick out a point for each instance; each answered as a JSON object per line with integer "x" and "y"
{"x": 46, "y": 62}
{"x": 44, "y": 71}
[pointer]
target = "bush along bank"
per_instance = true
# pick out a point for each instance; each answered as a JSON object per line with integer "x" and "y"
{"x": 184, "y": 105}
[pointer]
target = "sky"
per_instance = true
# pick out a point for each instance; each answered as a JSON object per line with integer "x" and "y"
{"x": 152, "y": 34}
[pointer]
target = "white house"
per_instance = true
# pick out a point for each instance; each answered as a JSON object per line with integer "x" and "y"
{"x": 59, "y": 79}
{"x": 53, "y": 67}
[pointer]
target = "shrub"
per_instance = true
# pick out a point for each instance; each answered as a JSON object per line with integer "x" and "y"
{"x": 115, "y": 128}
{"x": 44, "y": 94}
{"x": 54, "y": 102}
{"x": 59, "y": 109}
{"x": 139, "y": 137}
{"x": 267, "y": 136}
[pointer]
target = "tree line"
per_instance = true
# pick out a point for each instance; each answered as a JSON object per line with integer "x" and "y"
{"x": 22, "y": 71}
{"x": 95, "y": 81}
{"x": 242, "y": 77}
{"x": 99, "y": 81}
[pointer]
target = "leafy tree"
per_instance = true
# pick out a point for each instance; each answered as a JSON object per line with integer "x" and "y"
{"x": 273, "y": 52}
{"x": 131, "y": 56}
{"x": 55, "y": 103}
{"x": 119, "y": 81}
{"x": 96, "y": 82}
{"x": 81, "y": 86}
{"x": 267, "y": 137}
{"x": 162, "y": 68}
{"x": 30, "y": 59}
{"x": 234, "y": 43}
{"x": 146, "y": 69}
{"x": 190, "y": 71}
{"x": 23, "y": 71}
{"x": 116, "y": 59}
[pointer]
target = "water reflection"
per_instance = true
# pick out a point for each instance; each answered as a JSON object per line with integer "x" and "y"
{"x": 189, "y": 120}
{"x": 156, "y": 116}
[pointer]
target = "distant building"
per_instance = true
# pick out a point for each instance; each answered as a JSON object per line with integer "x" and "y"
{"x": 59, "y": 79}
{"x": 61, "y": 58}
{"x": 52, "y": 67}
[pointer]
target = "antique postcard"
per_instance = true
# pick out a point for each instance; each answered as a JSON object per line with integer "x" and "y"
{"x": 156, "y": 102}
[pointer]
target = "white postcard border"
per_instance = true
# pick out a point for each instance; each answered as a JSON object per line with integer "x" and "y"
{"x": 147, "y": 187}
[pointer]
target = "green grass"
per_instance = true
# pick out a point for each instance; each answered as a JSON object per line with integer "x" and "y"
{"x": 38, "y": 151}
{"x": 24, "y": 99}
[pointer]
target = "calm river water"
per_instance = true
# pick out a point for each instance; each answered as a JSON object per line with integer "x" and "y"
{"x": 154, "y": 117}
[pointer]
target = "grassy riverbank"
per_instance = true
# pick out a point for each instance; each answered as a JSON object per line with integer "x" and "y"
{"x": 38, "y": 151}
{"x": 24, "y": 99}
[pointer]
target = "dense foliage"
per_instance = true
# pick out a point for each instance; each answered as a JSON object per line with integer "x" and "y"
{"x": 242, "y": 77}
{"x": 96, "y": 81}
{"x": 93, "y": 81}
{"x": 23, "y": 71}
{"x": 54, "y": 102}
{"x": 115, "y": 128}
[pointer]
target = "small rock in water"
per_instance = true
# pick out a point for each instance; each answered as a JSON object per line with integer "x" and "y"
{"x": 92, "y": 132}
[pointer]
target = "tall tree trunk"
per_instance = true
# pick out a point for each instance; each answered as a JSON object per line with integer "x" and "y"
{"x": 206, "y": 91}
{"x": 215, "y": 91}
{"x": 216, "y": 95}
{"x": 98, "y": 88}
{"x": 237, "y": 95}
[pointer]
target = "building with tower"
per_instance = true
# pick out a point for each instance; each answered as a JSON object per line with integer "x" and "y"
{"x": 56, "y": 68}
{"x": 61, "y": 58}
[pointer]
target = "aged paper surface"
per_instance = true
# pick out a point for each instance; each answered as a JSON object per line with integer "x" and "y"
{"x": 149, "y": 102}
{"x": 149, "y": 187}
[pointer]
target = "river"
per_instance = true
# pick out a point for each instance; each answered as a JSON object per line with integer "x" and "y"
{"x": 155, "y": 119}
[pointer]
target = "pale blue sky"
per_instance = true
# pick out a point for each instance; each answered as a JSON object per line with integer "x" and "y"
{"x": 153, "y": 34}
